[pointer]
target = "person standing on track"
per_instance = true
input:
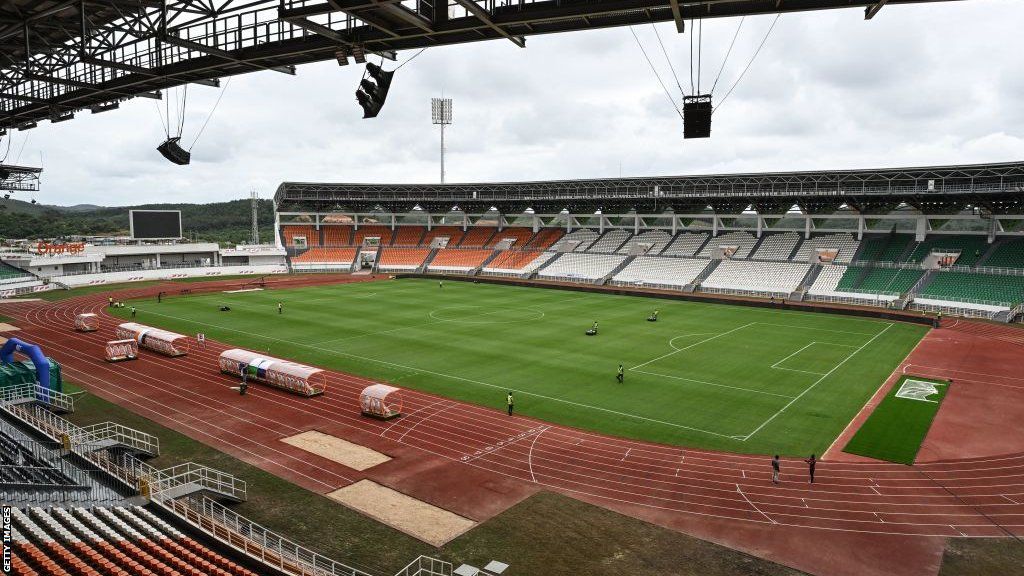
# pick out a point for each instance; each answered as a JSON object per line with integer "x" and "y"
{"x": 811, "y": 463}
{"x": 621, "y": 375}
{"x": 110, "y": 301}
{"x": 775, "y": 469}
{"x": 280, "y": 307}
{"x": 511, "y": 403}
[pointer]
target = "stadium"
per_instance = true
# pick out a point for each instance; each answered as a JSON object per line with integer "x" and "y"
{"x": 737, "y": 373}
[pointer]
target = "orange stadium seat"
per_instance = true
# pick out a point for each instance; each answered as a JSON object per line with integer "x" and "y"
{"x": 337, "y": 235}
{"x": 478, "y": 236}
{"x": 546, "y": 238}
{"x": 403, "y": 256}
{"x": 408, "y": 236}
{"x": 327, "y": 256}
{"x": 520, "y": 235}
{"x": 310, "y": 232}
{"x": 456, "y": 258}
{"x": 514, "y": 259}
{"x": 454, "y": 234}
{"x": 384, "y": 232}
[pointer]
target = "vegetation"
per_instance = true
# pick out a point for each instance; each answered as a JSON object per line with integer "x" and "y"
{"x": 546, "y": 534}
{"x": 896, "y": 428}
{"x": 225, "y": 222}
{"x": 732, "y": 378}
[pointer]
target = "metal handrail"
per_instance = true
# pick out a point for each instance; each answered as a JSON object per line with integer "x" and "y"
{"x": 426, "y": 566}
{"x": 121, "y": 434}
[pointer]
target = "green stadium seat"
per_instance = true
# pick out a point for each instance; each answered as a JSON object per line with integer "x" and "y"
{"x": 975, "y": 286}
{"x": 1009, "y": 254}
{"x": 971, "y": 248}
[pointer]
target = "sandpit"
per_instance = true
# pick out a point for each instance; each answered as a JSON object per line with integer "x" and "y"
{"x": 416, "y": 518}
{"x": 336, "y": 449}
{"x": 8, "y": 327}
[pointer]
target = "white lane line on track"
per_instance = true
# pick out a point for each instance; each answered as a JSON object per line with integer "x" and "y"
{"x": 655, "y": 506}
{"x": 424, "y": 419}
{"x": 492, "y": 448}
{"x": 818, "y": 381}
{"x": 626, "y": 455}
{"x": 529, "y": 455}
{"x": 754, "y": 506}
{"x": 410, "y": 414}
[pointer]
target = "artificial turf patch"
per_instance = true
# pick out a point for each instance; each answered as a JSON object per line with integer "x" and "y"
{"x": 896, "y": 428}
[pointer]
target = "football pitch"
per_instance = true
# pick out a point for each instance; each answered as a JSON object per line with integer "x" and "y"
{"x": 704, "y": 375}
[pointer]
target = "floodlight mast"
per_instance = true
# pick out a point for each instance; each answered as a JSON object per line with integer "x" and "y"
{"x": 441, "y": 114}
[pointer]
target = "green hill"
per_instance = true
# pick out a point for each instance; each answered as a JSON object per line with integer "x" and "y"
{"x": 225, "y": 222}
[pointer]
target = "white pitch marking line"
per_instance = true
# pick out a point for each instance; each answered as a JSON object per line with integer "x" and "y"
{"x": 819, "y": 329}
{"x": 697, "y": 343}
{"x": 449, "y": 376}
{"x": 793, "y": 354}
{"x": 818, "y": 381}
{"x": 754, "y": 506}
{"x": 711, "y": 383}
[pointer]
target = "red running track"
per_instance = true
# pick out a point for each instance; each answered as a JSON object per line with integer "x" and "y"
{"x": 858, "y": 518}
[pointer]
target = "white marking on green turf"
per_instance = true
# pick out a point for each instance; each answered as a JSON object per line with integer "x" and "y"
{"x": 467, "y": 319}
{"x": 813, "y": 328}
{"x": 713, "y": 384}
{"x": 443, "y": 375}
{"x": 674, "y": 338}
{"x": 699, "y": 342}
{"x": 816, "y": 382}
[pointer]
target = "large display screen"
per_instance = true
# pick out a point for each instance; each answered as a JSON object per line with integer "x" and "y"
{"x": 155, "y": 224}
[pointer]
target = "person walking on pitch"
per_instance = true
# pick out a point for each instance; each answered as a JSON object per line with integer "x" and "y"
{"x": 510, "y": 403}
{"x": 280, "y": 307}
{"x": 620, "y": 376}
{"x": 133, "y": 312}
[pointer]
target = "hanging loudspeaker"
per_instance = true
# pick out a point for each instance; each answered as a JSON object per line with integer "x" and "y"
{"x": 697, "y": 116}
{"x": 173, "y": 151}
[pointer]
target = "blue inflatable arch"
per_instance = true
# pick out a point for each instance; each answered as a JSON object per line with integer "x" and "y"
{"x": 34, "y": 353}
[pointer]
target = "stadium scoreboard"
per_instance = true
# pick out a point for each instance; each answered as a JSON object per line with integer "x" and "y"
{"x": 155, "y": 224}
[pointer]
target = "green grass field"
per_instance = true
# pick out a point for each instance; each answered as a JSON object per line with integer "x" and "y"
{"x": 705, "y": 375}
{"x": 896, "y": 428}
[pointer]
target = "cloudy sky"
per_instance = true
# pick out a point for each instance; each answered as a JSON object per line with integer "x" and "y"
{"x": 918, "y": 85}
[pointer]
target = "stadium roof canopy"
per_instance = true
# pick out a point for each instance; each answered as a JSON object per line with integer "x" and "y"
{"x": 62, "y": 56}
{"x": 996, "y": 188}
{"x": 19, "y": 178}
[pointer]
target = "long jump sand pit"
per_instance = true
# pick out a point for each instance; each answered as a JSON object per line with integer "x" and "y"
{"x": 8, "y": 327}
{"x": 336, "y": 449}
{"x": 416, "y": 518}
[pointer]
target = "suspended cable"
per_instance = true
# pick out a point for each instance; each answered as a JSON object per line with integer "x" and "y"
{"x": 8, "y": 151}
{"x": 160, "y": 115}
{"x": 411, "y": 58}
{"x": 212, "y": 110}
{"x": 656, "y": 75}
{"x": 669, "y": 60}
{"x": 700, "y": 43}
{"x": 22, "y": 149}
{"x": 747, "y": 67}
{"x": 692, "y": 90}
{"x": 727, "y": 53}
{"x": 181, "y": 110}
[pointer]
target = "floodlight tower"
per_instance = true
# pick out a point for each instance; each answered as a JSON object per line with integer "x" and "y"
{"x": 441, "y": 114}
{"x": 254, "y": 238}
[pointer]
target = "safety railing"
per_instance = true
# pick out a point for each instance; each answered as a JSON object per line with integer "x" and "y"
{"x": 255, "y": 540}
{"x": 426, "y": 566}
{"x": 110, "y": 431}
{"x": 202, "y": 476}
{"x": 31, "y": 391}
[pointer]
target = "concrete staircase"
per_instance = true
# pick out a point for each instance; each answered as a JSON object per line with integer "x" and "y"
{"x": 692, "y": 286}
{"x": 477, "y": 270}
{"x": 805, "y": 284}
{"x": 616, "y": 270}
{"x": 426, "y": 261}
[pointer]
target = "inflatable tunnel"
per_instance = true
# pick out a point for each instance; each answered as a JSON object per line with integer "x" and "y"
{"x": 35, "y": 354}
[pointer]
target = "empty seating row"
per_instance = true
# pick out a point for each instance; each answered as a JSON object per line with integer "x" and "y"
{"x": 519, "y": 237}
{"x": 827, "y": 285}
{"x": 970, "y": 248}
{"x": 401, "y": 258}
{"x": 741, "y": 241}
{"x": 327, "y": 256}
{"x": 1008, "y": 254}
{"x": 300, "y": 236}
{"x": 372, "y": 231}
{"x": 452, "y": 233}
{"x": 777, "y": 246}
{"x": 609, "y": 242}
{"x": 518, "y": 261}
{"x": 750, "y": 276}
{"x": 477, "y": 237}
{"x": 581, "y": 238}
{"x": 844, "y": 244}
{"x": 686, "y": 244}
{"x": 658, "y": 239}
{"x": 974, "y": 286}
{"x": 458, "y": 260}
{"x": 577, "y": 266}
{"x": 337, "y": 235}
{"x": 655, "y": 270}
{"x": 9, "y": 273}
{"x": 545, "y": 238}
{"x": 408, "y": 235}
{"x": 887, "y": 248}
